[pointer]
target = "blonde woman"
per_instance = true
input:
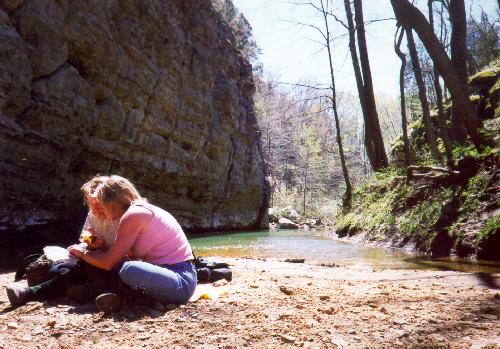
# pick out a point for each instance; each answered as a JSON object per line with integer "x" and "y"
{"x": 158, "y": 252}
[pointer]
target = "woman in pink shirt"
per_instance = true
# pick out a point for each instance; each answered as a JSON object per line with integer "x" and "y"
{"x": 158, "y": 253}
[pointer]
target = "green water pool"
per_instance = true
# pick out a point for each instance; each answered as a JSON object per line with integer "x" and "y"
{"x": 315, "y": 247}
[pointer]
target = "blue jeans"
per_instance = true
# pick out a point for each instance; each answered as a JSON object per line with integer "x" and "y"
{"x": 165, "y": 283}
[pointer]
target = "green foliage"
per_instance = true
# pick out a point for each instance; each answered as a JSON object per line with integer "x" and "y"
{"x": 489, "y": 227}
{"x": 472, "y": 192}
{"x": 387, "y": 205}
{"x": 466, "y": 150}
{"x": 420, "y": 219}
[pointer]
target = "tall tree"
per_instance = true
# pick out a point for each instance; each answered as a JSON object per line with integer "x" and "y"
{"x": 345, "y": 172}
{"x": 380, "y": 160}
{"x": 410, "y": 17}
{"x": 458, "y": 50}
{"x": 443, "y": 127}
{"x": 368, "y": 140}
{"x": 430, "y": 136}
{"x": 404, "y": 121}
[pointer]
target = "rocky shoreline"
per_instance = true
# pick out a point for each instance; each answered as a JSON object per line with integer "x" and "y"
{"x": 275, "y": 304}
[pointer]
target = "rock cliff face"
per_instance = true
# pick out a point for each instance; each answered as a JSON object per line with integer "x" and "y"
{"x": 151, "y": 90}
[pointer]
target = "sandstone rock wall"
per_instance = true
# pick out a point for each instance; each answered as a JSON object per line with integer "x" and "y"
{"x": 152, "y": 90}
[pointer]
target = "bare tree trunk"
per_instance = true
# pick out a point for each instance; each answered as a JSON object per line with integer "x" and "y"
{"x": 368, "y": 140}
{"x": 439, "y": 100}
{"x": 369, "y": 98}
{"x": 348, "y": 186}
{"x": 404, "y": 121}
{"x": 430, "y": 136}
{"x": 411, "y": 18}
{"x": 459, "y": 60}
{"x": 305, "y": 182}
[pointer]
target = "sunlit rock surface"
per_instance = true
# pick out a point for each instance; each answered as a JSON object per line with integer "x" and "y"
{"x": 151, "y": 90}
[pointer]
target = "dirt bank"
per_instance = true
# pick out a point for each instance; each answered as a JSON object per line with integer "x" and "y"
{"x": 282, "y": 305}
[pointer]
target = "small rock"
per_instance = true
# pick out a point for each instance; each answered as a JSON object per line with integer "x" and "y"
{"x": 254, "y": 286}
{"x": 383, "y": 310}
{"x": 51, "y": 323}
{"x": 37, "y": 331}
{"x": 352, "y": 332}
{"x": 50, "y": 310}
{"x": 311, "y": 345}
{"x": 286, "y": 290}
{"x": 299, "y": 306}
{"x": 144, "y": 337}
{"x": 324, "y": 297}
{"x": 12, "y": 325}
{"x": 295, "y": 260}
{"x": 496, "y": 296}
{"x": 219, "y": 283}
{"x": 288, "y": 339}
{"x": 399, "y": 321}
{"x": 26, "y": 338}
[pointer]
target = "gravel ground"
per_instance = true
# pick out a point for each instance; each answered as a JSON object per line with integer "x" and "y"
{"x": 273, "y": 304}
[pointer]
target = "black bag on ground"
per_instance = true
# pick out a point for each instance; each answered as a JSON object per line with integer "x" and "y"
{"x": 36, "y": 269}
{"x": 212, "y": 271}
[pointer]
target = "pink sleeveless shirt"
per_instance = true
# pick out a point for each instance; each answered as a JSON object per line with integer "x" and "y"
{"x": 162, "y": 240}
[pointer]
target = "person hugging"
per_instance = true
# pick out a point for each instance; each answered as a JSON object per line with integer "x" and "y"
{"x": 150, "y": 254}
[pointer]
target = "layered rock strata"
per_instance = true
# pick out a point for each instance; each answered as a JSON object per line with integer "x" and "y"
{"x": 152, "y": 90}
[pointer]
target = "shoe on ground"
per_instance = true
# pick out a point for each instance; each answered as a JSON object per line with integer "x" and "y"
{"x": 108, "y": 302}
{"x": 81, "y": 294}
{"x": 18, "y": 295}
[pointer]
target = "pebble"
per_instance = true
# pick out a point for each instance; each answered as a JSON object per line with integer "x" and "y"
{"x": 399, "y": 321}
{"x": 50, "y": 310}
{"x": 12, "y": 325}
{"x": 26, "y": 338}
{"x": 288, "y": 339}
{"x": 311, "y": 345}
{"x": 219, "y": 283}
{"x": 286, "y": 290}
{"x": 324, "y": 297}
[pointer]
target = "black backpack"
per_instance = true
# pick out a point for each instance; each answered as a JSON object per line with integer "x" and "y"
{"x": 35, "y": 268}
{"x": 211, "y": 271}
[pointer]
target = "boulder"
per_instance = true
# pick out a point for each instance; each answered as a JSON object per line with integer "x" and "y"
{"x": 483, "y": 80}
{"x": 285, "y": 223}
{"x": 290, "y": 213}
{"x": 273, "y": 214}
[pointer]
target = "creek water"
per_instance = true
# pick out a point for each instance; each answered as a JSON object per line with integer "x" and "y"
{"x": 315, "y": 247}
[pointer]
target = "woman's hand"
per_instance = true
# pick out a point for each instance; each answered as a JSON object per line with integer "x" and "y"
{"x": 77, "y": 251}
{"x": 97, "y": 243}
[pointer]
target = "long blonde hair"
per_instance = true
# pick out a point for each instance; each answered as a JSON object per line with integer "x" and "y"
{"x": 90, "y": 187}
{"x": 116, "y": 189}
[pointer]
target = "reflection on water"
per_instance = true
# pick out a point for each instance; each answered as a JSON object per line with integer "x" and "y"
{"x": 315, "y": 247}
